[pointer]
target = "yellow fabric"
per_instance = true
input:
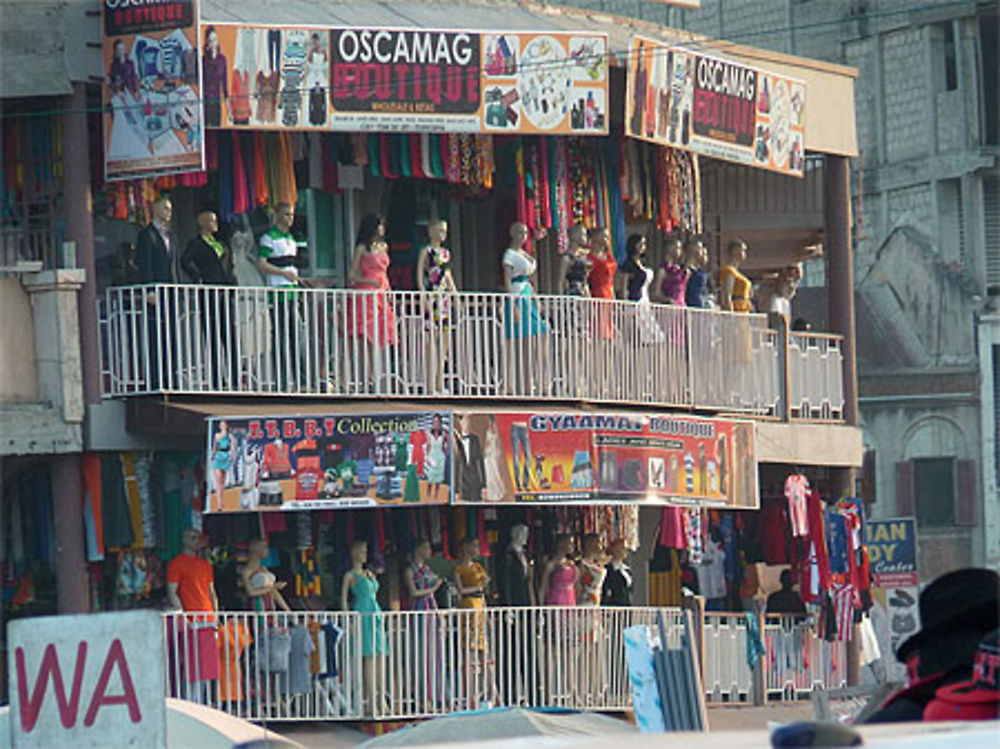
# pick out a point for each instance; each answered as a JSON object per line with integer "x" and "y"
{"x": 741, "y": 288}
{"x": 473, "y": 575}
{"x": 134, "y": 499}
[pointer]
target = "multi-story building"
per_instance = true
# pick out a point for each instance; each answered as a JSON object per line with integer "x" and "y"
{"x": 155, "y": 367}
{"x": 927, "y": 243}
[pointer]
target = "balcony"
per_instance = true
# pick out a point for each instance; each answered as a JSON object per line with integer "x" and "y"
{"x": 426, "y": 664}
{"x": 254, "y": 341}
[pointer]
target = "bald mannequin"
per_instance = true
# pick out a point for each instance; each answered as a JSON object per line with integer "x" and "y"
{"x": 206, "y": 259}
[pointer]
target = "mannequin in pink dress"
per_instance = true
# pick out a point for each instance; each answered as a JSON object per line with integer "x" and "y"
{"x": 559, "y": 576}
{"x": 370, "y": 316}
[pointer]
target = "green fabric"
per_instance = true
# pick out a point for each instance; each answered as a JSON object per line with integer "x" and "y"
{"x": 215, "y": 244}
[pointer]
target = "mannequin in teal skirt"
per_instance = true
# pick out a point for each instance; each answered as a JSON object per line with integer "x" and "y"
{"x": 362, "y": 584}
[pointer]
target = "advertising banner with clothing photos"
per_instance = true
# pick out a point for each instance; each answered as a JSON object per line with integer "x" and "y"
{"x": 573, "y": 457}
{"x": 151, "y": 89}
{"x": 408, "y": 80}
{"x": 892, "y": 551}
{"x": 329, "y": 461}
{"x": 716, "y": 107}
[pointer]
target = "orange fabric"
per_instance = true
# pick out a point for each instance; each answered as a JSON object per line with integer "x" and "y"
{"x": 259, "y": 171}
{"x": 287, "y": 189}
{"x": 234, "y": 638}
{"x": 741, "y": 288}
{"x": 193, "y": 576}
{"x": 314, "y": 629}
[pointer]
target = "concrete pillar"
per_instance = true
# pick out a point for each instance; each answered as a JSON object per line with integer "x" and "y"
{"x": 80, "y": 229}
{"x": 72, "y": 589}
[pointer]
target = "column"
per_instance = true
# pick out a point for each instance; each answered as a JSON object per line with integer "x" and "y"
{"x": 72, "y": 589}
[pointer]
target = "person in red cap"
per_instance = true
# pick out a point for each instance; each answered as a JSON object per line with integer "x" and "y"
{"x": 956, "y": 611}
{"x": 978, "y": 698}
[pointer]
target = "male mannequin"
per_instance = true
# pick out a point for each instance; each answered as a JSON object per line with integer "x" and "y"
{"x": 206, "y": 259}
{"x": 277, "y": 253}
{"x": 158, "y": 262}
{"x": 516, "y": 576}
{"x": 469, "y": 463}
{"x": 190, "y": 585}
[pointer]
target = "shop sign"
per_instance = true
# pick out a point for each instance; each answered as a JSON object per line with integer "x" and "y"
{"x": 591, "y": 457}
{"x": 716, "y": 107}
{"x": 413, "y": 80}
{"x": 91, "y": 680}
{"x": 152, "y": 88}
{"x": 892, "y": 552}
{"x": 328, "y": 461}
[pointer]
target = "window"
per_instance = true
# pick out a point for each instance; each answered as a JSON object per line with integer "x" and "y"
{"x": 989, "y": 78}
{"x": 991, "y": 232}
{"x": 934, "y": 487}
{"x": 951, "y": 220}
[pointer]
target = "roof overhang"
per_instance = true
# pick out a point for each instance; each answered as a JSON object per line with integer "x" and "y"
{"x": 830, "y": 124}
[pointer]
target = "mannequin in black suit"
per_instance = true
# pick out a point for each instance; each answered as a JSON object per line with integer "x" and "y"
{"x": 157, "y": 258}
{"x": 206, "y": 260}
{"x": 469, "y": 463}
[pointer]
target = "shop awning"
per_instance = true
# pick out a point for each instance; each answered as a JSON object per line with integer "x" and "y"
{"x": 32, "y": 50}
{"x": 830, "y": 124}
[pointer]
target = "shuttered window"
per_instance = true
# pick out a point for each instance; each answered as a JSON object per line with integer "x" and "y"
{"x": 938, "y": 491}
{"x": 991, "y": 229}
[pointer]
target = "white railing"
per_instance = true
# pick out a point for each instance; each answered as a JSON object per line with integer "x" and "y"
{"x": 815, "y": 376}
{"x": 795, "y": 659}
{"x": 400, "y": 665}
{"x": 256, "y": 341}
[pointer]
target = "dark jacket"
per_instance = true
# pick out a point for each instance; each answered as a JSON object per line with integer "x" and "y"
{"x": 471, "y": 471}
{"x": 617, "y": 590}
{"x": 155, "y": 264}
{"x": 514, "y": 585}
{"x": 203, "y": 265}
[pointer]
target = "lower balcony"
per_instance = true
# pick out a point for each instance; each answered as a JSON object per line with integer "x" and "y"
{"x": 207, "y": 340}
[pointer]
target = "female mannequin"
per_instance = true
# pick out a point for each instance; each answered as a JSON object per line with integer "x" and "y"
{"x": 574, "y": 270}
{"x": 515, "y": 584}
{"x": 521, "y": 316}
{"x": 635, "y": 279}
{"x": 617, "y": 589}
{"x": 360, "y": 586}
{"x": 735, "y": 289}
{"x": 575, "y": 264}
{"x": 602, "y": 287}
{"x": 592, "y": 571}
{"x": 260, "y": 585}
{"x": 671, "y": 279}
{"x": 370, "y": 316}
{"x": 222, "y": 460}
{"x": 422, "y": 584}
{"x": 434, "y": 275}
{"x": 558, "y": 586}
{"x": 696, "y": 259}
{"x": 471, "y": 580}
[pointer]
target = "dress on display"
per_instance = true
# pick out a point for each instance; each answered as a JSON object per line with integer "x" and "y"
{"x": 576, "y": 275}
{"x": 562, "y": 586}
{"x": 424, "y": 579}
{"x": 472, "y": 575}
{"x": 434, "y": 465}
{"x": 364, "y": 590}
{"x": 741, "y": 288}
{"x": 436, "y": 269}
{"x": 371, "y": 315}
{"x": 495, "y": 489}
{"x": 639, "y": 279}
{"x": 525, "y": 320}
{"x": 602, "y": 286}
{"x": 591, "y": 582}
{"x": 674, "y": 285}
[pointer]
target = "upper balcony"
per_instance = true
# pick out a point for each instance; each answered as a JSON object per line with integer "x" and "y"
{"x": 253, "y": 341}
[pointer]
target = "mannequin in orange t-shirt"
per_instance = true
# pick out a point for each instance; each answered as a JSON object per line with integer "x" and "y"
{"x": 190, "y": 584}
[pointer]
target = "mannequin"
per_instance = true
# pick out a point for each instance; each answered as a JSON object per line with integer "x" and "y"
{"x": 516, "y": 576}
{"x": 785, "y": 286}
{"x": 696, "y": 293}
{"x": 592, "y": 571}
{"x": 522, "y": 319}
{"x": 634, "y": 281}
{"x": 422, "y": 584}
{"x": 360, "y": 587}
{"x": 735, "y": 289}
{"x": 370, "y": 316}
{"x": 559, "y": 578}
{"x": 434, "y": 275}
{"x": 670, "y": 283}
{"x": 617, "y": 590}
{"x": 261, "y": 587}
{"x": 602, "y": 287}
{"x": 575, "y": 265}
{"x": 472, "y": 582}
{"x": 191, "y": 588}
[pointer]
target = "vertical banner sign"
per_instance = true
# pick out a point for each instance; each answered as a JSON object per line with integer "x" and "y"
{"x": 329, "y": 461}
{"x": 553, "y": 457}
{"x": 715, "y": 107}
{"x": 405, "y": 80}
{"x": 153, "y": 122}
{"x": 892, "y": 552}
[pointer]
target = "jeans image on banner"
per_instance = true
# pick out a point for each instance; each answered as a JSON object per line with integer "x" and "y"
{"x": 608, "y": 470}
{"x": 520, "y": 445}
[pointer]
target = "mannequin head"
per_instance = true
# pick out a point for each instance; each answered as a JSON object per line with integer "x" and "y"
{"x": 163, "y": 210}
{"x": 359, "y": 552}
{"x": 518, "y": 235}
{"x": 788, "y": 280}
{"x": 422, "y": 550}
{"x": 372, "y": 228}
{"x": 695, "y": 254}
{"x": 563, "y": 545}
{"x": 258, "y": 549}
{"x": 672, "y": 252}
{"x": 618, "y": 551}
{"x": 191, "y": 540}
{"x": 208, "y": 222}
{"x": 284, "y": 216}
{"x": 519, "y": 536}
{"x": 437, "y": 232}
{"x": 591, "y": 545}
{"x": 467, "y": 549}
{"x": 736, "y": 252}
{"x": 635, "y": 246}
{"x": 600, "y": 240}
{"x": 577, "y": 236}
{"x": 223, "y": 427}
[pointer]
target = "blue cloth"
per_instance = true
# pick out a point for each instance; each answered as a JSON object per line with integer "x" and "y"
{"x": 755, "y": 646}
{"x": 837, "y": 543}
{"x": 372, "y": 626}
{"x": 332, "y": 634}
{"x": 696, "y": 294}
{"x": 727, "y": 527}
{"x": 529, "y": 322}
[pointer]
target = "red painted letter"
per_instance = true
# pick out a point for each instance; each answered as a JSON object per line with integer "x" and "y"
{"x": 31, "y": 707}
{"x": 116, "y": 657}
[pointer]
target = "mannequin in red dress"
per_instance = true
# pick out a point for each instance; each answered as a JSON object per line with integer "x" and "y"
{"x": 370, "y": 316}
{"x": 602, "y": 287}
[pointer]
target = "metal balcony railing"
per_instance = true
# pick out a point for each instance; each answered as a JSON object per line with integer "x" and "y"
{"x": 218, "y": 340}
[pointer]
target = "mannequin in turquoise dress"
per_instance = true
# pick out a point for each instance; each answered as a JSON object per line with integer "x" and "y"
{"x": 362, "y": 584}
